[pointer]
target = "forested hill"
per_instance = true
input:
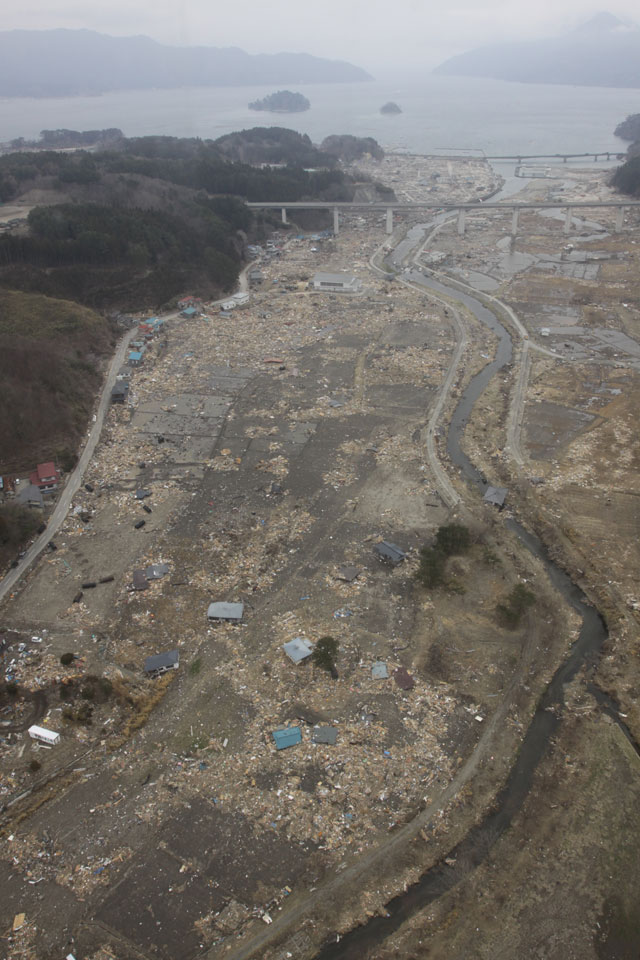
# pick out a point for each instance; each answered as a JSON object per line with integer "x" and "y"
{"x": 136, "y": 226}
{"x": 51, "y": 354}
{"x": 627, "y": 177}
{"x": 63, "y": 63}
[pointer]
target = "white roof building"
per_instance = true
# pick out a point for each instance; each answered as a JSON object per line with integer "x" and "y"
{"x": 337, "y": 282}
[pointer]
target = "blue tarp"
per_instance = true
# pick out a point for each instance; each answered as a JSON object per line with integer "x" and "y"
{"x": 287, "y": 738}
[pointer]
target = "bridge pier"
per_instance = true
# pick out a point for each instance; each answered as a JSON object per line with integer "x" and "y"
{"x": 336, "y": 221}
{"x": 389, "y": 220}
{"x": 461, "y": 222}
{"x": 514, "y": 222}
{"x": 567, "y": 220}
{"x": 620, "y": 212}
{"x": 284, "y": 215}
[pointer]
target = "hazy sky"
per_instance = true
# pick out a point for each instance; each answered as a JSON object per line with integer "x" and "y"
{"x": 372, "y": 33}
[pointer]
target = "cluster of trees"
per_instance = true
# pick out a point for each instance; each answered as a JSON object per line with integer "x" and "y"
{"x": 627, "y": 177}
{"x": 64, "y": 139}
{"x": 350, "y": 148}
{"x": 629, "y": 129}
{"x": 103, "y": 255}
{"x": 451, "y": 539}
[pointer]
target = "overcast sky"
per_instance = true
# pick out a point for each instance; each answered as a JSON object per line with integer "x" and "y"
{"x": 372, "y": 33}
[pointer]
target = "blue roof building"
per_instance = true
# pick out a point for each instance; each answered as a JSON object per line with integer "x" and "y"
{"x": 135, "y": 358}
{"x": 287, "y": 738}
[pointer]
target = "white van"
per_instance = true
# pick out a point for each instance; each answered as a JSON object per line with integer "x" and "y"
{"x": 50, "y": 737}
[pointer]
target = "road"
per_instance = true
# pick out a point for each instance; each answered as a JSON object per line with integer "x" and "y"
{"x": 75, "y": 478}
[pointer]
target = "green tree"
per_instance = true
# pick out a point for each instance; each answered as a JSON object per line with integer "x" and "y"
{"x": 510, "y": 613}
{"x": 325, "y": 653}
{"x": 432, "y": 566}
{"x": 453, "y": 538}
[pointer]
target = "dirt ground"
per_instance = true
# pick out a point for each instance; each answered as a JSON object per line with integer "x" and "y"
{"x": 277, "y": 446}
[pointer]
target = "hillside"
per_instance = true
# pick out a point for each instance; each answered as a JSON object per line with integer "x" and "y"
{"x": 51, "y": 354}
{"x": 629, "y": 129}
{"x": 138, "y": 225}
{"x": 63, "y": 63}
{"x": 605, "y": 52}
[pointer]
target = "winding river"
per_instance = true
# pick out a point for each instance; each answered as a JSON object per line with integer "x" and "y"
{"x": 475, "y": 846}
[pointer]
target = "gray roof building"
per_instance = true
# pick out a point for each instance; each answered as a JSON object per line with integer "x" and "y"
{"x": 337, "y": 282}
{"x": 390, "y": 552}
{"x": 140, "y": 581}
{"x": 225, "y": 611}
{"x": 297, "y": 649}
{"x": 496, "y": 496}
{"x": 162, "y": 662}
{"x": 324, "y": 735}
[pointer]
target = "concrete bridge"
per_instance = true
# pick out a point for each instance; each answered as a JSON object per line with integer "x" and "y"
{"x": 602, "y": 154}
{"x": 620, "y": 206}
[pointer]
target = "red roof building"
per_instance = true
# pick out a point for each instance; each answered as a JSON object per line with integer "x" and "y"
{"x": 46, "y": 477}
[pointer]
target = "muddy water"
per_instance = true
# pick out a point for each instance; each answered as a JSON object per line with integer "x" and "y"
{"x": 473, "y": 849}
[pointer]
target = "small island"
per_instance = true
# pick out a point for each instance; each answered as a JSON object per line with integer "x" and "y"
{"x": 284, "y": 101}
{"x": 390, "y": 107}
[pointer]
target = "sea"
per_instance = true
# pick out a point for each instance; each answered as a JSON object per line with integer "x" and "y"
{"x": 439, "y": 114}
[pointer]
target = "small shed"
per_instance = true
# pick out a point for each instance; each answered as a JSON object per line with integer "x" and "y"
{"x": 189, "y": 312}
{"x": 495, "y": 496}
{"x": 324, "y": 735}
{"x": 298, "y": 649}
{"x": 287, "y": 737}
{"x": 140, "y": 581}
{"x": 225, "y": 611}
{"x": 135, "y": 358}
{"x": 379, "y": 670}
{"x": 348, "y": 574}
{"x": 161, "y": 662}
{"x": 390, "y": 552}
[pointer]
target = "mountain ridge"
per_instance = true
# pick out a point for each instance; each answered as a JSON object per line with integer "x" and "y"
{"x": 60, "y": 63}
{"x": 603, "y": 52}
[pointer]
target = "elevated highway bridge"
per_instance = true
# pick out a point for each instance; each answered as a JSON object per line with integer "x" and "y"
{"x": 570, "y": 208}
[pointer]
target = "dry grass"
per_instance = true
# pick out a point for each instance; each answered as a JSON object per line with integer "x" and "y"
{"x": 141, "y": 707}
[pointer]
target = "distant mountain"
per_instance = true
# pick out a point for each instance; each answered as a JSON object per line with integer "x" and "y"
{"x": 63, "y": 63}
{"x": 604, "y": 52}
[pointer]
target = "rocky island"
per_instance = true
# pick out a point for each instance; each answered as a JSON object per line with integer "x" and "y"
{"x": 284, "y": 101}
{"x": 390, "y": 107}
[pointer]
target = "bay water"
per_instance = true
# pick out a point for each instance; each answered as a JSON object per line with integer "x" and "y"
{"x": 439, "y": 114}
